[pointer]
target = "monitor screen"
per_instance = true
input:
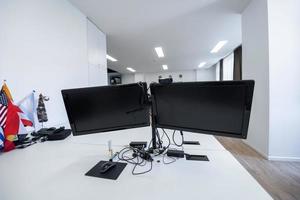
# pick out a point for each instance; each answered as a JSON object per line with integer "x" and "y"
{"x": 107, "y": 108}
{"x": 219, "y": 108}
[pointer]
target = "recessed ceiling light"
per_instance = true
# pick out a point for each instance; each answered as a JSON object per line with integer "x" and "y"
{"x": 165, "y": 67}
{"x": 160, "y": 52}
{"x": 218, "y": 46}
{"x": 111, "y": 58}
{"x": 202, "y": 64}
{"x": 131, "y": 69}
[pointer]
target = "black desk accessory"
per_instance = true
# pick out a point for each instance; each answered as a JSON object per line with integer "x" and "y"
{"x": 175, "y": 153}
{"x": 24, "y": 141}
{"x": 61, "y": 135}
{"x": 45, "y": 131}
{"x": 52, "y": 133}
{"x": 59, "y": 129}
{"x": 139, "y": 144}
{"x": 113, "y": 173}
{"x": 107, "y": 166}
{"x": 196, "y": 157}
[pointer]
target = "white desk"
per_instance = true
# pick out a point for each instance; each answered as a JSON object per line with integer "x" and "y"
{"x": 55, "y": 170}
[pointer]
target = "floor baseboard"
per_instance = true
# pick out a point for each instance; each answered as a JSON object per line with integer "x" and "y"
{"x": 286, "y": 159}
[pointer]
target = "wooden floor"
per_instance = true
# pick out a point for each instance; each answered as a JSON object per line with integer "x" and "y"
{"x": 280, "y": 179}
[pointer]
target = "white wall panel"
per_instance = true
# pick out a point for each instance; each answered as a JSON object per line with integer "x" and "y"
{"x": 256, "y": 67}
{"x": 43, "y": 46}
{"x": 96, "y": 46}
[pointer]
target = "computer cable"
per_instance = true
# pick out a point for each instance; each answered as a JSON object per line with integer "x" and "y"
{"x": 137, "y": 157}
{"x": 112, "y": 158}
{"x": 169, "y": 140}
{"x": 140, "y": 173}
{"x": 161, "y": 149}
{"x": 123, "y": 157}
{"x": 141, "y": 164}
{"x": 164, "y": 161}
{"x": 158, "y": 143}
{"x": 166, "y": 148}
{"x": 158, "y": 138}
{"x": 162, "y": 137}
{"x": 182, "y": 139}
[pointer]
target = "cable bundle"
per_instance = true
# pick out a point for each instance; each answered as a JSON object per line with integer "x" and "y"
{"x": 140, "y": 157}
{"x": 137, "y": 157}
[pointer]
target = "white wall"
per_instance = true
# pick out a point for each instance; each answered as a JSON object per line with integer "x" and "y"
{"x": 139, "y": 77}
{"x": 43, "y": 47}
{"x": 187, "y": 76}
{"x": 284, "y": 39}
{"x": 271, "y": 30}
{"x": 256, "y": 66}
{"x": 127, "y": 78}
{"x": 208, "y": 74}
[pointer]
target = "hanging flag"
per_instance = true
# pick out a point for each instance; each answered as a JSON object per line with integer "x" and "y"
{"x": 1, "y": 139}
{"x": 3, "y": 117}
{"x": 8, "y": 146}
{"x": 3, "y": 109}
{"x": 10, "y": 119}
{"x": 13, "y": 127}
{"x": 22, "y": 129}
{"x": 41, "y": 109}
{"x": 28, "y": 105}
{"x": 7, "y": 91}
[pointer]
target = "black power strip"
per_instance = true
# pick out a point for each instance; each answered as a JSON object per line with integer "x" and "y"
{"x": 175, "y": 153}
{"x": 138, "y": 145}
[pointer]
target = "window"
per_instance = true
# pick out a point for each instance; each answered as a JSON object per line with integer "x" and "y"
{"x": 228, "y": 67}
{"x": 218, "y": 71}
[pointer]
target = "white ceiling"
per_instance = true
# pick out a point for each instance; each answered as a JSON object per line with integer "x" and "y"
{"x": 186, "y": 29}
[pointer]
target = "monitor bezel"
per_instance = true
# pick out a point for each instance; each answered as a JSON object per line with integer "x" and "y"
{"x": 67, "y": 92}
{"x": 246, "y": 117}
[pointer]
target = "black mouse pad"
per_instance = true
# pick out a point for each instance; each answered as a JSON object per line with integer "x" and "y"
{"x": 113, "y": 173}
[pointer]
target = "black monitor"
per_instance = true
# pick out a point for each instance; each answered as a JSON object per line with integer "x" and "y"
{"x": 218, "y": 108}
{"x": 107, "y": 108}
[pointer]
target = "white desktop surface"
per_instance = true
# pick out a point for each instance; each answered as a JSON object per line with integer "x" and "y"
{"x": 55, "y": 170}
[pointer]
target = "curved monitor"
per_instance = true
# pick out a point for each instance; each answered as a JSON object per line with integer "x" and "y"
{"x": 218, "y": 108}
{"x": 107, "y": 108}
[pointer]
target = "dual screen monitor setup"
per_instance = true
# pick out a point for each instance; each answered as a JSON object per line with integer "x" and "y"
{"x": 217, "y": 108}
